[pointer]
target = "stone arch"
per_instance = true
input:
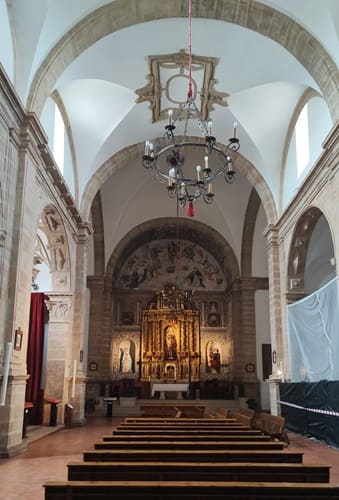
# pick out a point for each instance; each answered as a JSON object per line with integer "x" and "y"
{"x": 135, "y": 151}
{"x": 59, "y": 263}
{"x": 252, "y": 15}
{"x": 166, "y": 227}
{"x": 300, "y": 244}
{"x": 248, "y": 233}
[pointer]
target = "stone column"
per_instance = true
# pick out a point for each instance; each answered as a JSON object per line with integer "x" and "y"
{"x": 274, "y": 388}
{"x": 100, "y": 325}
{"x": 275, "y": 299}
{"x": 59, "y": 348}
{"x": 80, "y": 323}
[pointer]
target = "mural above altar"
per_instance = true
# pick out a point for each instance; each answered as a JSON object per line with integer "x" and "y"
{"x": 163, "y": 261}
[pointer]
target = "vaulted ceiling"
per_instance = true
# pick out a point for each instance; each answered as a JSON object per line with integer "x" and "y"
{"x": 91, "y": 56}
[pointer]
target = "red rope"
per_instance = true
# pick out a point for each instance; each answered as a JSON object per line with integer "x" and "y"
{"x": 190, "y": 88}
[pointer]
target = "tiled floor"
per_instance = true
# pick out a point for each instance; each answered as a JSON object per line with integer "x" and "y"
{"x": 22, "y": 477}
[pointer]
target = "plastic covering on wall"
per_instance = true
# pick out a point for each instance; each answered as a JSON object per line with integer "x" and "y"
{"x": 312, "y": 409}
{"x": 314, "y": 336}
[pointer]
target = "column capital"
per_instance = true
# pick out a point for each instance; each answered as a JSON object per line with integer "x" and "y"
{"x": 272, "y": 236}
{"x": 59, "y": 306}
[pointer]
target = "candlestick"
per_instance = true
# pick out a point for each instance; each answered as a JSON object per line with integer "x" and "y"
{"x": 74, "y": 376}
{"x": 171, "y": 176}
{"x": 5, "y": 373}
{"x": 209, "y": 128}
{"x": 170, "y": 114}
{"x": 198, "y": 169}
{"x": 235, "y": 124}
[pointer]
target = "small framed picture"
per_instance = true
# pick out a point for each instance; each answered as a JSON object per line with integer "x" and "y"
{"x": 250, "y": 367}
{"x": 93, "y": 366}
{"x": 18, "y": 339}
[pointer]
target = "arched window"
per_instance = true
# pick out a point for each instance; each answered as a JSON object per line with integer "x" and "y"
{"x": 59, "y": 139}
{"x": 302, "y": 143}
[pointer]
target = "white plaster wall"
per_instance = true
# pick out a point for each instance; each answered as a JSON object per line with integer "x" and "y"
{"x": 7, "y": 58}
{"x": 132, "y": 196}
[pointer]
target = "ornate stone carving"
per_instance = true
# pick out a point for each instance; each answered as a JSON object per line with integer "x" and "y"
{"x": 59, "y": 307}
{"x": 165, "y": 78}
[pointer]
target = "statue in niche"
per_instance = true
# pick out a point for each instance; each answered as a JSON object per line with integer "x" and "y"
{"x": 127, "y": 357}
{"x": 213, "y": 358}
{"x": 59, "y": 259}
{"x": 170, "y": 342}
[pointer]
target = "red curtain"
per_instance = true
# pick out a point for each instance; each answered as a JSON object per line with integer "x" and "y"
{"x": 35, "y": 355}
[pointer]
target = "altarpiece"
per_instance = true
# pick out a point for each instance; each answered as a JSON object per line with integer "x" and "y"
{"x": 170, "y": 337}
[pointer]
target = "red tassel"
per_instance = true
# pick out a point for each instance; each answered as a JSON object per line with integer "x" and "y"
{"x": 190, "y": 209}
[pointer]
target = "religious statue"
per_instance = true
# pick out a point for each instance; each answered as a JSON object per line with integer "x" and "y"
{"x": 126, "y": 361}
{"x": 170, "y": 343}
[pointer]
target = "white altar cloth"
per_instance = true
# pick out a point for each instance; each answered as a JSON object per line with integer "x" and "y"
{"x": 162, "y": 388}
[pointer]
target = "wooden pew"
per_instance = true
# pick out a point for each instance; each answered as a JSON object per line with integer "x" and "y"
{"x": 199, "y": 426}
{"x": 187, "y": 432}
{"x": 188, "y": 471}
{"x": 190, "y": 445}
{"x": 176, "y": 421}
{"x": 187, "y": 436}
{"x": 242, "y": 418}
{"x": 222, "y": 413}
{"x": 174, "y": 411}
{"x": 174, "y": 490}
{"x": 274, "y": 425}
{"x": 196, "y": 455}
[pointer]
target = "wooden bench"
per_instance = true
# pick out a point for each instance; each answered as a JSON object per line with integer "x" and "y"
{"x": 187, "y": 432}
{"x": 188, "y": 471}
{"x": 183, "y": 420}
{"x": 214, "y": 424}
{"x": 196, "y": 455}
{"x": 242, "y": 418}
{"x": 174, "y": 411}
{"x": 170, "y": 490}
{"x": 190, "y": 445}
{"x": 185, "y": 436}
{"x": 274, "y": 425}
{"x": 222, "y": 413}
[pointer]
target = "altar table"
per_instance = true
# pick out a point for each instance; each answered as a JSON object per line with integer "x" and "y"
{"x": 162, "y": 388}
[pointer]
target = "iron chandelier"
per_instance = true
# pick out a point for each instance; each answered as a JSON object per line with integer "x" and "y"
{"x": 167, "y": 159}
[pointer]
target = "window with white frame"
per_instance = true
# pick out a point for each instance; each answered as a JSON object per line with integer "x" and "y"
{"x": 302, "y": 141}
{"x": 59, "y": 139}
